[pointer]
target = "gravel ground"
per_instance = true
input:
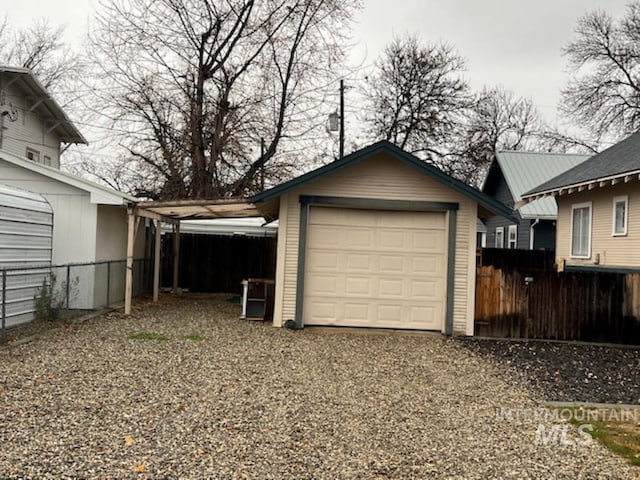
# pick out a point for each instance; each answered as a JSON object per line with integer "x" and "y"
{"x": 252, "y": 401}
{"x": 569, "y": 372}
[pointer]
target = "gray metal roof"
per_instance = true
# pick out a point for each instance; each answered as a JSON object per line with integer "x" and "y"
{"x": 526, "y": 170}
{"x": 621, "y": 158}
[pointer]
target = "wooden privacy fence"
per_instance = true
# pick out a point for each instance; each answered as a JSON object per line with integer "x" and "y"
{"x": 586, "y": 306}
{"x": 218, "y": 263}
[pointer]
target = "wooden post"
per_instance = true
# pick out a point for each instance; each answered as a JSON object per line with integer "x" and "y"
{"x": 176, "y": 256}
{"x": 128, "y": 292}
{"x": 156, "y": 261}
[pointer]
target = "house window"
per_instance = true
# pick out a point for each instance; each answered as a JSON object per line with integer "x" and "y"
{"x": 581, "y": 230}
{"x": 47, "y": 160}
{"x": 33, "y": 154}
{"x": 512, "y": 240}
{"x": 499, "y": 242}
{"x": 620, "y": 215}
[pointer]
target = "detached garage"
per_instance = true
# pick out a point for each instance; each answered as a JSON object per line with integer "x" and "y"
{"x": 376, "y": 239}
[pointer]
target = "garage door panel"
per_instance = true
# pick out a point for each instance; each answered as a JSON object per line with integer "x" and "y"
{"x": 325, "y": 237}
{"x": 359, "y": 238}
{"x": 428, "y": 265}
{"x": 392, "y": 240}
{"x": 426, "y": 290}
{"x": 389, "y": 288}
{"x": 324, "y": 260}
{"x": 358, "y": 286}
{"x": 324, "y": 284}
{"x": 426, "y": 241}
{"x": 357, "y": 312}
{"x": 427, "y": 315}
{"x": 323, "y": 311}
{"x": 375, "y": 268}
{"x": 390, "y": 314}
{"x": 358, "y": 262}
{"x": 393, "y": 264}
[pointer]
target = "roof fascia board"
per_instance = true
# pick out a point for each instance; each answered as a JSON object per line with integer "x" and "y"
{"x": 553, "y": 191}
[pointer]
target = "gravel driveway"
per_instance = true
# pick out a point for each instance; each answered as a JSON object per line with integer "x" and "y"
{"x": 252, "y": 401}
{"x": 569, "y": 372}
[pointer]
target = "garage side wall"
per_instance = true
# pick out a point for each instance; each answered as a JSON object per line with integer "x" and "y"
{"x": 379, "y": 177}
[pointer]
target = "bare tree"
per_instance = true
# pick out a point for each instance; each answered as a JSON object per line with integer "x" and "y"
{"x": 603, "y": 95}
{"x": 497, "y": 120}
{"x": 42, "y": 49}
{"x": 421, "y": 103}
{"x": 417, "y": 95}
{"x": 198, "y": 83}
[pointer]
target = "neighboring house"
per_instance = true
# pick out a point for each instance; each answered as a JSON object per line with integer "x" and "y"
{"x": 598, "y": 209}
{"x": 89, "y": 220}
{"x": 32, "y": 124}
{"x": 510, "y": 175}
{"x": 377, "y": 239}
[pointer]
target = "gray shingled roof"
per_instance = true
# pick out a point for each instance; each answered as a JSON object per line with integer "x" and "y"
{"x": 621, "y": 158}
{"x": 526, "y": 170}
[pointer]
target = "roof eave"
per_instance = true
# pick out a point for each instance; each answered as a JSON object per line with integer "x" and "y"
{"x": 99, "y": 194}
{"x": 579, "y": 187}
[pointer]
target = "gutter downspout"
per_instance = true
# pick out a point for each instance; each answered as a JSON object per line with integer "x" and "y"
{"x": 532, "y": 232}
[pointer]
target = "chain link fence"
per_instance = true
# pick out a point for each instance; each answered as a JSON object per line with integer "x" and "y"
{"x": 62, "y": 291}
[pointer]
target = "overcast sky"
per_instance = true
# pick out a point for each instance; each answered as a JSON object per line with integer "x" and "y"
{"x": 514, "y": 43}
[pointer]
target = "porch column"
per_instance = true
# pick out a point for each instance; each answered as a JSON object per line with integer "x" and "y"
{"x": 128, "y": 290}
{"x": 156, "y": 261}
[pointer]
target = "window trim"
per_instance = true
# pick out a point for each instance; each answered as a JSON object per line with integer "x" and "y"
{"x": 495, "y": 240}
{"x": 512, "y": 228}
{"x": 574, "y": 207}
{"x": 33, "y": 152}
{"x": 616, "y": 201}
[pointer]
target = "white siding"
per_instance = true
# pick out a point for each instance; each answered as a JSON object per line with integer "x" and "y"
{"x": 380, "y": 177}
{"x": 29, "y": 130}
{"x": 111, "y": 244}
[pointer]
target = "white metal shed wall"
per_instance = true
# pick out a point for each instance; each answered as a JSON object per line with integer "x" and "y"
{"x": 26, "y": 240}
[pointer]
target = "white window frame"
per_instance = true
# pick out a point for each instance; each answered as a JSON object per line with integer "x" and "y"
{"x": 574, "y": 207}
{"x": 495, "y": 243}
{"x": 35, "y": 154}
{"x": 624, "y": 199}
{"x": 512, "y": 229}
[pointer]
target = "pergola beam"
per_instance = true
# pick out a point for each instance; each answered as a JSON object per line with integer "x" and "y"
{"x": 140, "y": 212}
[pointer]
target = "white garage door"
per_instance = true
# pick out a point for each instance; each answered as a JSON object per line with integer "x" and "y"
{"x": 371, "y": 268}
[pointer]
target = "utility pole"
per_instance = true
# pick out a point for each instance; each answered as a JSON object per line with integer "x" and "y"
{"x": 341, "y": 118}
{"x": 262, "y": 151}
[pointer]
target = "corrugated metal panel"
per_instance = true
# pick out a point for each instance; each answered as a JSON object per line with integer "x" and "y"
{"x": 26, "y": 230}
{"x": 524, "y": 171}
